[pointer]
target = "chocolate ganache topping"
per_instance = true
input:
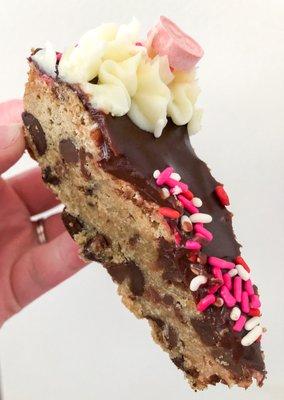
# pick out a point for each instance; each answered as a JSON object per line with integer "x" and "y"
{"x": 133, "y": 155}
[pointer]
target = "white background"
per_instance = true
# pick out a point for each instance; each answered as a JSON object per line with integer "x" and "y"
{"x": 78, "y": 342}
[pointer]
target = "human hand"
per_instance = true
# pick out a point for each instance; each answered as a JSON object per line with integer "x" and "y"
{"x": 27, "y": 269}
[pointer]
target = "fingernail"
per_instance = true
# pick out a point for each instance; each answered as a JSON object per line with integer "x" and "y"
{"x": 9, "y": 134}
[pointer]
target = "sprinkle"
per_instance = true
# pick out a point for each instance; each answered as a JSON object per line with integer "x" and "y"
{"x": 252, "y": 336}
{"x": 197, "y": 282}
{"x": 238, "y": 288}
{"x": 201, "y": 218}
{"x": 240, "y": 260}
{"x": 254, "y": 301}
{"x": 251, "y": 323}
{"x": 206, "y": 302}
{"x": 242, "y": 272}
{"x": 169, "y": 212}
{"x": 172, "y": 183}
{"x": 219, "y": 262}
{"x": 254, "y": 312}
{"x": 214, "y": 288}
{"x": 175, "y": 176}
{"x": 188, "y": 194}
{"x": 222, "y": 195}
{"x": 235, "y": 313}
{"x": 139, "y": 44}
{"x": 245, "y": 302}
{"x": 164, "y": 175}
{"x": 228, "y": 298}
{"x": 187, "y": 204}
{"x": 175, "y": 190}
{"x": 238, "y": 326}
{"x": 249, "y": 287}
{"x": 186, "y": 224}
{"x": 156, "y": 174}
{"x": 218, "y": 274}
{"x": 233, "y": 272}
{"x": 177, "y": 238}
{"x": 192, "y": 245}
{"x": 197, "y": 202}
{"x": 165, "y": 193}
{"x": 219, "y": 302}
{"x": 200, "y": 229}
{"x": 227, "y": 280}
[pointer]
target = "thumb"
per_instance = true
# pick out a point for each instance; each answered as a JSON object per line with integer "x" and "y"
{"x": 12, "y": 145}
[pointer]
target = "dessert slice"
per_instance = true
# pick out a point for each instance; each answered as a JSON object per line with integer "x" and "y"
{"x": 109, "y": 123}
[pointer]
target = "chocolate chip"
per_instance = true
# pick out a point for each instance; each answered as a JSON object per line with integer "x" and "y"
{"x": 95, "y": 246}
{"x": 137, "y": 281}
{"x": 68, "y": 151}
{"x": 178, "y": 361}
{"x": 213, "y": 379}
{"x": 168, "y": 299}
{"x": 49, "y": 177}
{"x": 153, "y": 295}
{"x": 36, "y": 132}
{"x": 193, "y": 372}
{"x": 73, "y": 224}
{"x": 171, "y": 337}
{"x": 119, "y": 272}
{"x": 157, "y": 321}
{"x": 84, "y": 155}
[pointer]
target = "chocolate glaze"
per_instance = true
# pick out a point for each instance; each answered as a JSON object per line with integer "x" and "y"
{"x": 132, "y": 155}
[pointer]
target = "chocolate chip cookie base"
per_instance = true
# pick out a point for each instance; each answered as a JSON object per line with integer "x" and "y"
{"x": 113, "y": 223}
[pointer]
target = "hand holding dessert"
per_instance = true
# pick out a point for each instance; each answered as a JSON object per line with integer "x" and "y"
{"x": 28, "y": 266}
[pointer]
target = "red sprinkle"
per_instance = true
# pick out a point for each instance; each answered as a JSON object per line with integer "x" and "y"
{"x": 58, "y": 56}
{"x": 169, "y": 212}
{"x": 177, "y": 238}
{"x": 222, "y": 195}
{"x": 254, "y": 312}
{"x": 241, "y": 261}
{"x": 188, "y": 194}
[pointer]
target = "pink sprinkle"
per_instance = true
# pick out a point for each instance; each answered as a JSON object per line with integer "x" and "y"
{"x": 164, "y": 175}
{"x": 254, "y": 301}
{"x": 249, "y": 287}
{"x": 217, "y": 273}
{"x": 188, "y": 204}
{"x": 200, "y": 229}
{"x": 172, "y": 183}
{"x": 206, "y": 302}
{"x": 139, "y": 44}
{"x": 227, "y": 296}
{"x": 58, "y": 56}
{"x": 192, "y": 245}
{"x": 227, "y": 281}
{"x": 214, "y": 289}
{"x": 245, "y": 302}
{"x": 238, "y": 288}
{"x": 239, "y": 324}
{"x": 220, "y": 263}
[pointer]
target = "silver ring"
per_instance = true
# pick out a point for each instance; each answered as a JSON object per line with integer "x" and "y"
{"x": 40, "y": 231}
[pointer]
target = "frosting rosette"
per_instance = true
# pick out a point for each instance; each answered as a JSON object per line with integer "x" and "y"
{"x": 122, "y": 76}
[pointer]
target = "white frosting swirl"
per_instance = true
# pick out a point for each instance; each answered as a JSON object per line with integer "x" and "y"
{"x": 128, "y": 80}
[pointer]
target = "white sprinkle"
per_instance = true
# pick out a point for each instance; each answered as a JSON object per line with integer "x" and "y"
{"x": 186, "y": 223}
{"x": 235, "y": 313}
{"x": 175, "y": 176}
{"x": 197, "y": 202}
{"x": 176, "y": 190}
{"x": 251, "y": 323}
{"x": 165, "y": 193}
{"x": 243, "y": 273}
{"x": 252, "y": 336}
{"x": 156, "y": 174}
{"x": 196, "y": 282}
{"x": 233, "y": 272}
{"x": 201, "y": 218}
